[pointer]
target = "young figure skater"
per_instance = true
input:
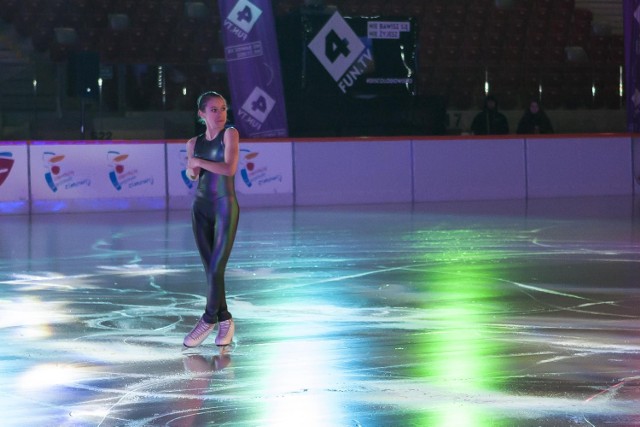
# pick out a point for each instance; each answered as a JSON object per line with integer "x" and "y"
{"x": 212, "y": 159}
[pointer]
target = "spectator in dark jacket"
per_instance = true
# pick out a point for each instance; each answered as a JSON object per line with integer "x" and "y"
{"x": 534, "y": 120}
{"x": 490, "y": 121}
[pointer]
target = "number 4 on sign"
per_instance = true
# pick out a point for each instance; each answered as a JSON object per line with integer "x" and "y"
{"x": 259, "y": 104}
{"x": 335, "y": 46}
{"x": 245, "y": 15}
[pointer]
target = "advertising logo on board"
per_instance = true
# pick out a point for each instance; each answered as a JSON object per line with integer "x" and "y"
{"x": 58, "y": 176}
{"x": 6, "y": 164}
{"x": 253, "y": 173}
{"x": 121, "y": 176}
{"x": 183, "y": 168}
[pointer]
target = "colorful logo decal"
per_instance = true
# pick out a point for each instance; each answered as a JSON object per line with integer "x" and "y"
{"x": 6, "y": 163}
{"x": 120, "y": 176}
{"x": 56, "y": 175}
{"x": 252, "y": 174}
{"x": 183, "y": 168}
{"x": 341, "y": 52}
{"x": 242, "y": 18}
{"x": 52, "y": 168}
{"x": 246, "y": 165}
{"x": 117, "y": 168}
{"x": 256, "y": 108}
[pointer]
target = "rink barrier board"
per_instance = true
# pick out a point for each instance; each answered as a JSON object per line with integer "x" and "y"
{"x": 76, "y": 176}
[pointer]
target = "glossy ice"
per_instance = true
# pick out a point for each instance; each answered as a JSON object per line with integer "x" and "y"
{"x": 460, "y": 314}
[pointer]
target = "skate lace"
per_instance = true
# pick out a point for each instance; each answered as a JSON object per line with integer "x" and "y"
{"x": 224, "y": 328}
{"x": 200, "y": 329}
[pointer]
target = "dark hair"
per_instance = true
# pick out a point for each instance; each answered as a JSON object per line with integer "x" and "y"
{"x": 205, "y": 96}
{"x": 202, "y": 101}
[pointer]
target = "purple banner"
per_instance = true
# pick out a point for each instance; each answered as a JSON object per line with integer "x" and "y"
{"x": 632, "y": 60}
{"x": 253, "y": 67}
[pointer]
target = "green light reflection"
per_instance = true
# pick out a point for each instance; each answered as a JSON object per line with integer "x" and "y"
{"x": 461, "y": 352}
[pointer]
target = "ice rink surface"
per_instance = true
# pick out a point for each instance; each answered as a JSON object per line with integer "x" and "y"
{"x": 467, "y": 314}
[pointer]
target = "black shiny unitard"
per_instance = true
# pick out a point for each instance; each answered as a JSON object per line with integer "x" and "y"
{"x": 214, "y": 217}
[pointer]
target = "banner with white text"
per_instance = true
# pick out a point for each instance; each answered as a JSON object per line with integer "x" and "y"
{"x": 253, "y": 68}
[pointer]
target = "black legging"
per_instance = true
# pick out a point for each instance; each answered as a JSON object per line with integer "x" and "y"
{"x": 214, "y": 228}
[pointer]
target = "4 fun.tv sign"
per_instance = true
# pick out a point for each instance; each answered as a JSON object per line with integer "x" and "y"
{"x": 341, "y": 52}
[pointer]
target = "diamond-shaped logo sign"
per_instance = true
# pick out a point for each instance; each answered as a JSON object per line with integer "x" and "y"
{"x": 336, "y": 46}
{"x": 244, "y": 15}
{"x": 259, "y": 104}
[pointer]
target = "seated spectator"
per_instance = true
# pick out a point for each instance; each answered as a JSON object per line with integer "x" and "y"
{"x": 534, "y": 120}
{"x": 490, "y": 121}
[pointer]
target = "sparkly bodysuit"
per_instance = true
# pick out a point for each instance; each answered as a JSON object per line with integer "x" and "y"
{"x": 215, "y": 214}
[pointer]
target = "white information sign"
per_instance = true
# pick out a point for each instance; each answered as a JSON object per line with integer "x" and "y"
{"x": 386, "y": 29}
